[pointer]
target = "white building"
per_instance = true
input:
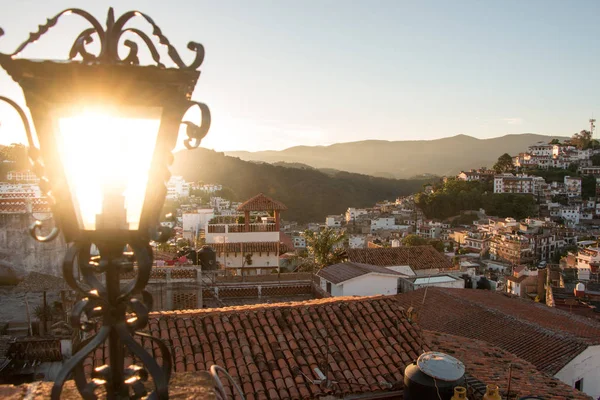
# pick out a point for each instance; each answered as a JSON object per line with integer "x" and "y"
{"x": 22, "y": 177}
{"x": 357, "y": 242}
{"x": 252, "y": 247}
{"x": 19, "y": 190}
{"x": 299, "y": 241}
{"x": 210, "y": 188}
{"x": 573, "y": 186}
{"x": 333, "y": 221}
{"x": 219, "y": 203}
{"x": 588, "y": 261}
{"x": 541, "y": 149}
{"x": 355, "y": 279}
{"x": 383, "y": 223}
{"x": 195, "y": 222}
{"x": 570, "y": 214}
{"x": 353, "y": 213}
{"x": 521, "y": 184}
{"x": 177, "y": 188}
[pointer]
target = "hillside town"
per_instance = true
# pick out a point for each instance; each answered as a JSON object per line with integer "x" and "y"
{"x": 355, "y": 213}
{"x": 548, "y": 262}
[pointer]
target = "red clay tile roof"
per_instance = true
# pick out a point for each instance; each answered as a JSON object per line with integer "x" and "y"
{"x": 362, "y": 344}
{"x": 339, "y": 273}
{"x": 490, "y": 365}
{"x": 249, "y": 247}
{"x": 417, "y": 257}
{"x": 546, "y": 337}
{"x": 519, "y": 279}
{"x": 260, "y": 202}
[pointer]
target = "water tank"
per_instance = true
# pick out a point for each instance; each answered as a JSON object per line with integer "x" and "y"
{"x": 207, "y": 258}
{"x": 433, "y": 376}
{"x": 580, "y": 290}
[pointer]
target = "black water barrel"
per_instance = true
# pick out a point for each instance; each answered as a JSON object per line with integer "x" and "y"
{"x": 208, "y": 258}
{"x": 444, "y": 373}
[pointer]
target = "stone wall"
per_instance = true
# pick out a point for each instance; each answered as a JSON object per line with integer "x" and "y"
{"x": 20, "y": 253}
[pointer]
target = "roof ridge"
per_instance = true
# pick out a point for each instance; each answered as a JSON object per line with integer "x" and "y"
{"x": 265, "y": 306}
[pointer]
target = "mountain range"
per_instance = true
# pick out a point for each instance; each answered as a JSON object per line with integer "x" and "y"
{"x": 309, "y": 194}
{"x": 402, "y": 159}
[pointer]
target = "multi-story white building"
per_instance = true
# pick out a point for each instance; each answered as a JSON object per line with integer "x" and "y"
{"x": 210, "y": 188}
{"x": 333, "y": 221}
{"x": 383, "y": 223}
{"x": 219, "y": 203}
{"x": 570, "y": 214}
{"x": 253, "y": 246}
{"x": 353, "y": 213}
{"x": 195, "y": 222}
{"x": 522, "y": 184}
{"x": 588, "y": 260}
{"x": 177, "y": 188}
{"x": 542, "y": 149}
{"x": 573, "y": 186}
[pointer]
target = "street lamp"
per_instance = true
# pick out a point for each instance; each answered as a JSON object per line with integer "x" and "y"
{"x": 106, "y": 127}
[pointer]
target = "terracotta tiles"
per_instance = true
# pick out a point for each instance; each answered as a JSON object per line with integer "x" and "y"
{"x": 271, "y": 351}
{"x": 260, "y": 202}
{"x": 546, "y": 337}
{"x": 417, "y": 257}
{"x": 490, "y": 365}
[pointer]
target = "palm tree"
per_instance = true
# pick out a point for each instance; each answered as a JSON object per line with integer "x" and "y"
{"x": 323, "y": 249}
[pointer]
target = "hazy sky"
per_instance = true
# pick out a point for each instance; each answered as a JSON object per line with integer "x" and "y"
{"x": 282, "y": 73}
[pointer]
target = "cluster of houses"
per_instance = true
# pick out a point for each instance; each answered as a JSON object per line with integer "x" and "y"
{"x": 544, "y": 155}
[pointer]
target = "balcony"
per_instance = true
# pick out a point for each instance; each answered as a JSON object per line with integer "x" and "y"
{"x": 241, "y": 228}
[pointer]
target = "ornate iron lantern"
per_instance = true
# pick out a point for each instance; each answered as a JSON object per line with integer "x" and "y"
{"x": 106, "y": 127}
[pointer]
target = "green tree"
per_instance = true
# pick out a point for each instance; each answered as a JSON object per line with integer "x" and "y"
{"x": 583, "y": 140}
{"x": 595, "y": 160}
{"x": 554, "y": 141}
{"x": 504, "y": 164}
{"x": 588, "y": 186}
{"x": 414, "y": 240}
{"x": 437, "y": 244}
{"x": 323, "y": 248}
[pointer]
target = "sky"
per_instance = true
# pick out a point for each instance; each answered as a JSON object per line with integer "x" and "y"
{"x": 282, "y": 73}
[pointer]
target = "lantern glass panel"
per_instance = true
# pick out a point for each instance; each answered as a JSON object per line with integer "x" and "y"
{"x": 106, "y": 155}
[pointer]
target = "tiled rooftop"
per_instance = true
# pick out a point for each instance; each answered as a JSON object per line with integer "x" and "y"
{"x": 260, "y": 202}
{"x": 339, "y": 273}
{"x": 546, "y": 337}
{"x": 490, "y": 365}
{"x": 417, "y": 257}
{"x": 361, "y": 344}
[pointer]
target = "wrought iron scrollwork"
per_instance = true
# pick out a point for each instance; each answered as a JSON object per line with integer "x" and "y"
{"x": 37, "y": 225}
{"x": 122, "y": 313}
{"x": 196, "y": 133}
{"x": 110, "y": 38}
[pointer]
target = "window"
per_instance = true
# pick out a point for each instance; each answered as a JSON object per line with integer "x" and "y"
{"x": 329, "y": 287}
{"x": 579, "y": 385}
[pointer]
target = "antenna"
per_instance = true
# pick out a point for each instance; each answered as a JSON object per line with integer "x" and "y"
{"x": 592, "y": 126}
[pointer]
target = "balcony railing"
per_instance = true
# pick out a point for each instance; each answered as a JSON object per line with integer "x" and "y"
{"x": 241, "y": 228}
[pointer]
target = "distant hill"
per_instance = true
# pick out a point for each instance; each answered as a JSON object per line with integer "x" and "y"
{"x": 310, "y": 195}
{"x": 402, "y": 159}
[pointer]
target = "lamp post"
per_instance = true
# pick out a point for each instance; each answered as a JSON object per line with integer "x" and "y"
{"x": 106, "y": 127}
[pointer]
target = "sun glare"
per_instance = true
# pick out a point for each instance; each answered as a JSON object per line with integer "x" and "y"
{"x": 103, "y": 153}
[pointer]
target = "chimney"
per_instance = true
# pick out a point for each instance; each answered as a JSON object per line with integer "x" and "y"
{"x": 541, "y": 282}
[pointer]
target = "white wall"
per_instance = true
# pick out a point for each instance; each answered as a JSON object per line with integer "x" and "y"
{"x": 457, "y": 284}
{"x": 403, "y": 269}
{"x": 241, "y": 237}
{"x": 369, "y": 285}
{"x": 587, "y": 366}
{"x": 233, "y": 261}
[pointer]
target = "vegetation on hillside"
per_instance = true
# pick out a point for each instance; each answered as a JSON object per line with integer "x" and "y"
{"x": 455, "y": 196}
{"x": 310, "y": 195}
